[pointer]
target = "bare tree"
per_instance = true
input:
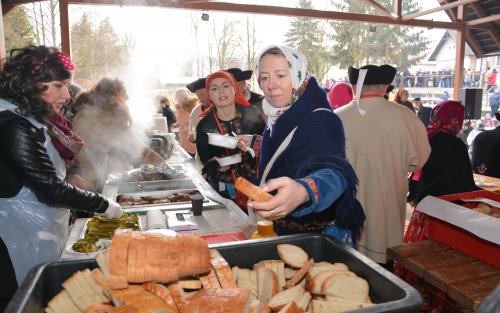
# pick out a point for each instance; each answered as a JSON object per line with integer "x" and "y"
{"x": 227, "y": 43}
{"x": 251, "y": 46}
{"x": 44, "y": 16}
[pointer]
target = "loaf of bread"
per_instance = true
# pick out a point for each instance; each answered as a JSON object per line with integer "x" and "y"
{"x": 250, "y": 190}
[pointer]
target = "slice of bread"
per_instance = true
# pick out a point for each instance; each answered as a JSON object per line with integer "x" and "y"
{"x": 118, "y": 253}
{"x": 289, "y": 272}
{"x": 277, "y": 267}
{"x": 219, "y": 301}
{"x": 347, "y": 287}
{"x": 317, "y": 282}
{"x": 321, "y": 306}
{"x": 267, "y": 284}
{"x": 210, "y": 280}
{"x": 283, "y": 298}
{"x": 292, "y": 255}
{"x": 77, "y": 291}
{"x": 223, "y": 272}
{"x": 162, "y": 292}
{"x": 291, "y": 307}
{"x": 62, "y": 303}
{"x": 102, "y": 260}
{"x": 297, "y": 277}
{"x": 179, "y": 296}
{"x": 337, "y": 299}
{"x": 189, "y": 283}
{"x": 257, "y": 307}
{"x": 304, "y": 301}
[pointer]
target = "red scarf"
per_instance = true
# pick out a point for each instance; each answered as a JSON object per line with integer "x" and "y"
{"x": 66, "y": 142}
{"x": 446, "y": 117}
{"x": 239, "y": 98}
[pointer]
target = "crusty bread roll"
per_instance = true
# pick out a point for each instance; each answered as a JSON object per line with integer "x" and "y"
{"x": 250, "y": 190}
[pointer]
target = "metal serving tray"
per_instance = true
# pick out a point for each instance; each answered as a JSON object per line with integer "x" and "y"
{"x": 163, "y": 193}
{"x": 158, "y": 185}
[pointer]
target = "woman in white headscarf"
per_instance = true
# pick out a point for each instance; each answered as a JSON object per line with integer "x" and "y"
{"x": 302, "y": 160}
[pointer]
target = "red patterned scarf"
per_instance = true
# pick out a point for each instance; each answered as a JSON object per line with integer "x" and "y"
{"x": 446, "y": 117}
{"x": 66, "y": 142}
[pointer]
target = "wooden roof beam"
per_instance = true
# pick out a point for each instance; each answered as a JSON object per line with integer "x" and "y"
{"x": 483, "y": 20}
{"x": 398, "y": 7}
{"x": 475, "y": 46}
{"x": 276, "y": 10}
{"x": 437, "y": 9}
{"x": 489, "y": 28}
{"x": 382, "y": 9}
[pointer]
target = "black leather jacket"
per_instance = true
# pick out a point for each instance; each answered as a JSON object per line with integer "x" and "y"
{"x": 24, "y": 162}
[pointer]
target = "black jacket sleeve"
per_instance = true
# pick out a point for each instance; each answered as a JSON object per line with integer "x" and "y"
{"x": 24, "y": 154}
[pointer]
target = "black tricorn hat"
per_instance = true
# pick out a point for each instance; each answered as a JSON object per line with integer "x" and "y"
{"x": 196, "y": 85}
{"x": 383, "y": 74}
{"x": 240, "y": 75}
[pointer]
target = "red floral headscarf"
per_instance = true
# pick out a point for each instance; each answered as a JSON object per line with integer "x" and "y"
{"x": 238, "y": 96}
{"x": 446, "y": 117}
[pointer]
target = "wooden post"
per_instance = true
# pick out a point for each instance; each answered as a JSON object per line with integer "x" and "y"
{"x": 64, "y": 19}
{"x": 3, "y": 53}
{"x": 459, "y": 56}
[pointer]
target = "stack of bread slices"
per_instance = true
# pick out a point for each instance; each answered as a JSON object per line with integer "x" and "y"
{"x": 295, "y": 284}
{"x": 148, "y": 273}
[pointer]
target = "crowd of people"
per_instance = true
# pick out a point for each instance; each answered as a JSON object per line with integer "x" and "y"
{"x": 335, "y": 161}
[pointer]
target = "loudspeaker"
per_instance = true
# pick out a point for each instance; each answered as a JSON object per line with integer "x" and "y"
{"x": 472, "y": 99}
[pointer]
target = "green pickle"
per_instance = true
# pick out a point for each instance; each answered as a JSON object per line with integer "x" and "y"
{"x": 101, "y": 227}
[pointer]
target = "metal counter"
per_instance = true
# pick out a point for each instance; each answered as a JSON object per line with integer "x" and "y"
{"x": 220, "y": 215}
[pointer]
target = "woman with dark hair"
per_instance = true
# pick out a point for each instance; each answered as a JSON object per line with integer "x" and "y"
{"x": 303, "y": 157}
{"x": 34, "y": 198}
{"x": 228, "y": 114}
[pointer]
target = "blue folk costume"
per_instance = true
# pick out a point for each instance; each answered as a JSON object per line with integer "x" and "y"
{"x": 315, "y": 158}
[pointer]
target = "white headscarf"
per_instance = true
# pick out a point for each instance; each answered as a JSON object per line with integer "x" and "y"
{"x": 297, "y": 63}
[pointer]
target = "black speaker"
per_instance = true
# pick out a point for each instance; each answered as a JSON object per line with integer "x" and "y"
{"x": 472, "y": 99}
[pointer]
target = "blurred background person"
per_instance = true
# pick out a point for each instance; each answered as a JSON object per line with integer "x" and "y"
{"x": 464, "y": 132}
{"x": 34, "y": 198}
{"x": 241, "y": 77}
{"x": 339, "y": 95}
{"x": 164, "y": 105}
{"x": 182, "y": 125}
{"x": 479, "y": 128}
{"x": 494, "y": 101}
{"x": 423, "y": 112}
{"x": 448, "y": 169}
{"x": 402, "y": 98}
{"x": 486, "y": 152}
{"x": 112, "y": 144}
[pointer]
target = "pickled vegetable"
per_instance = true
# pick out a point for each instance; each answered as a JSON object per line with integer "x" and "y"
{"x": 101, "y": 227}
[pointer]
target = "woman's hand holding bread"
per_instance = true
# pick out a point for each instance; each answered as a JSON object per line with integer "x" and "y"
{"x": 289, "y": 196}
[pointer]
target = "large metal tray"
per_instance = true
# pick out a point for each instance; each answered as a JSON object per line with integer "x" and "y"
{"x": 163, "y": 193}
{"x": 158, "y": 185}
{"x": 388, "y": 292}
